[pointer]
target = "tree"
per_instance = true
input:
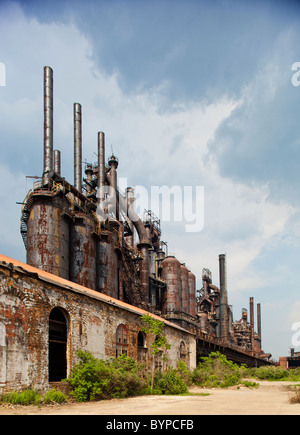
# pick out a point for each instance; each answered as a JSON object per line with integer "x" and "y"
{"x": 159, "y": 344}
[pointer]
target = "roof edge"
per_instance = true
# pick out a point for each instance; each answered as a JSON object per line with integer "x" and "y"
{"x": 21, "y": 267}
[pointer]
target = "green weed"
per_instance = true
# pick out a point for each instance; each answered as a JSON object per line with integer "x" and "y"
{"x": 26, "y": 397}
{"x": 54, "y": 396}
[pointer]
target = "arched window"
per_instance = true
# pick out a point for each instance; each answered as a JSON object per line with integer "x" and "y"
{"x": 58, "y": 333}
{"x": 121, "y": 340}
{"x": 182, "y": 351}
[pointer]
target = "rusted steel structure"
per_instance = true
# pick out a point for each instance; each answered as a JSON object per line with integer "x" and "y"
{"x": 85, "y": 232}
{"x": 83, "y": 250}
{"x": 217, "y": 329}
{"x": 48, "y": 123}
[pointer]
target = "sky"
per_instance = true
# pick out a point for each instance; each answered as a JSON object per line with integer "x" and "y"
{"x": 189, "y": 93}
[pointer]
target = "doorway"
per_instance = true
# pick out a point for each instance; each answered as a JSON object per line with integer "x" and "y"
{"x": 58, "y": 332}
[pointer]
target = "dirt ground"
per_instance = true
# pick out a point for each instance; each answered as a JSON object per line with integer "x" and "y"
{"x": 271, "y": 398}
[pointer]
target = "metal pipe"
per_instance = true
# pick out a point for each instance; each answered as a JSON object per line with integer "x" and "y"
{"x": 48, "y": 123}
{"x": 133, "y": 216}
{"x": 130, "y": 203}
{"x": 258, "y": 321}
{"x": 126, "y": 206}
{"x": 144, "y": 243}
{"x": 89, "y": 177}
{"x": 77, "y": 147}
{"x": 251, "y": 321}
{"x": 113, "y": 164}
{"x": 213, "y": 287}
{"x": 192, "y": 294}
{"x": 57, "y": 162}
{"x": 185, "y": 296}
{"x": 101, "y": 166}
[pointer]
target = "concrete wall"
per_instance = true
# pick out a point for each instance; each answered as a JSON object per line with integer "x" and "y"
{"x": 27, "y": 296}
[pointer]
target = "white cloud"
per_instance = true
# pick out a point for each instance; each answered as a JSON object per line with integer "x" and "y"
{"x": 14, "y": 189}
{"x": 155, "y": 145}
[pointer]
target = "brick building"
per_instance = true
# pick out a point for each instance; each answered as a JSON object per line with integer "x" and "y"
{"x": 45, "y": 319}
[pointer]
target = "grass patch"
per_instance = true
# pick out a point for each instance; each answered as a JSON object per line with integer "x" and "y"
{"x": 26, "y": 397}
{"x": 250, "y": 384}
{"x": 274, "y": 373}
{"x": 31, "y": 397}
{"x": 54, "y": 396}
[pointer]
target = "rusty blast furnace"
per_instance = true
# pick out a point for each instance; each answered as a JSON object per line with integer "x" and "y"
{"x": 89, "y": 233}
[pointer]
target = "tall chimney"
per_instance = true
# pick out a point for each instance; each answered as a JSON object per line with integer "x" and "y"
{"x": 113, "y": 164}
{"x": 57, "y": 164}
{"x": 259, "y": 322}
{"x": 101, "y": 166}
{"x": 77, "y": 147}
{"x": 223, "y": 298}
{"x": 48, "y": 123}
{"x": 252, "y": 322}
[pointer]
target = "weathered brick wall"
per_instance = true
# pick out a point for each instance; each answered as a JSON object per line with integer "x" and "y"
{"x": 25, "y": 305}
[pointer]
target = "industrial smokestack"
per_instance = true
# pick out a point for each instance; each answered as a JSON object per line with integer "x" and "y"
{"x": 48, "y": 123}
{"x": 251, "y": 321}
{"x": 101, "y": 166}
{"x": 77, "y": 147}
{"x": 57, "y": 164}
{"x": 113, "y": 164}
{"x": 258, "y": 321}
{"x": 223, "y": 298}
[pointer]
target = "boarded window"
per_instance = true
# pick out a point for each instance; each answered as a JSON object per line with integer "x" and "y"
{"x": 121, "y": 340}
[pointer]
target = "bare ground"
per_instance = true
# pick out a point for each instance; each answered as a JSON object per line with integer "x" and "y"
{"x": 271, "y": 398}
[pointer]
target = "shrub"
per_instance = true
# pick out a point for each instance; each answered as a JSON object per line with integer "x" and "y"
{"x": 294, "y": 374}
{"x": 216, "y": 371}
{"x": 183, "y": 372}
{"x": 250, "y": 384}
{"x": 159, "y": 345}
{"x": 54, "y": 396}
{"x": 270, "y": 373}
{"x": 95, "y": 379}
{"x": 168, "y": 382}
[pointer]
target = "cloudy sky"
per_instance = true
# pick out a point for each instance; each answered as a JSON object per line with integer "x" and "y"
{"x": 188, "y": 93}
